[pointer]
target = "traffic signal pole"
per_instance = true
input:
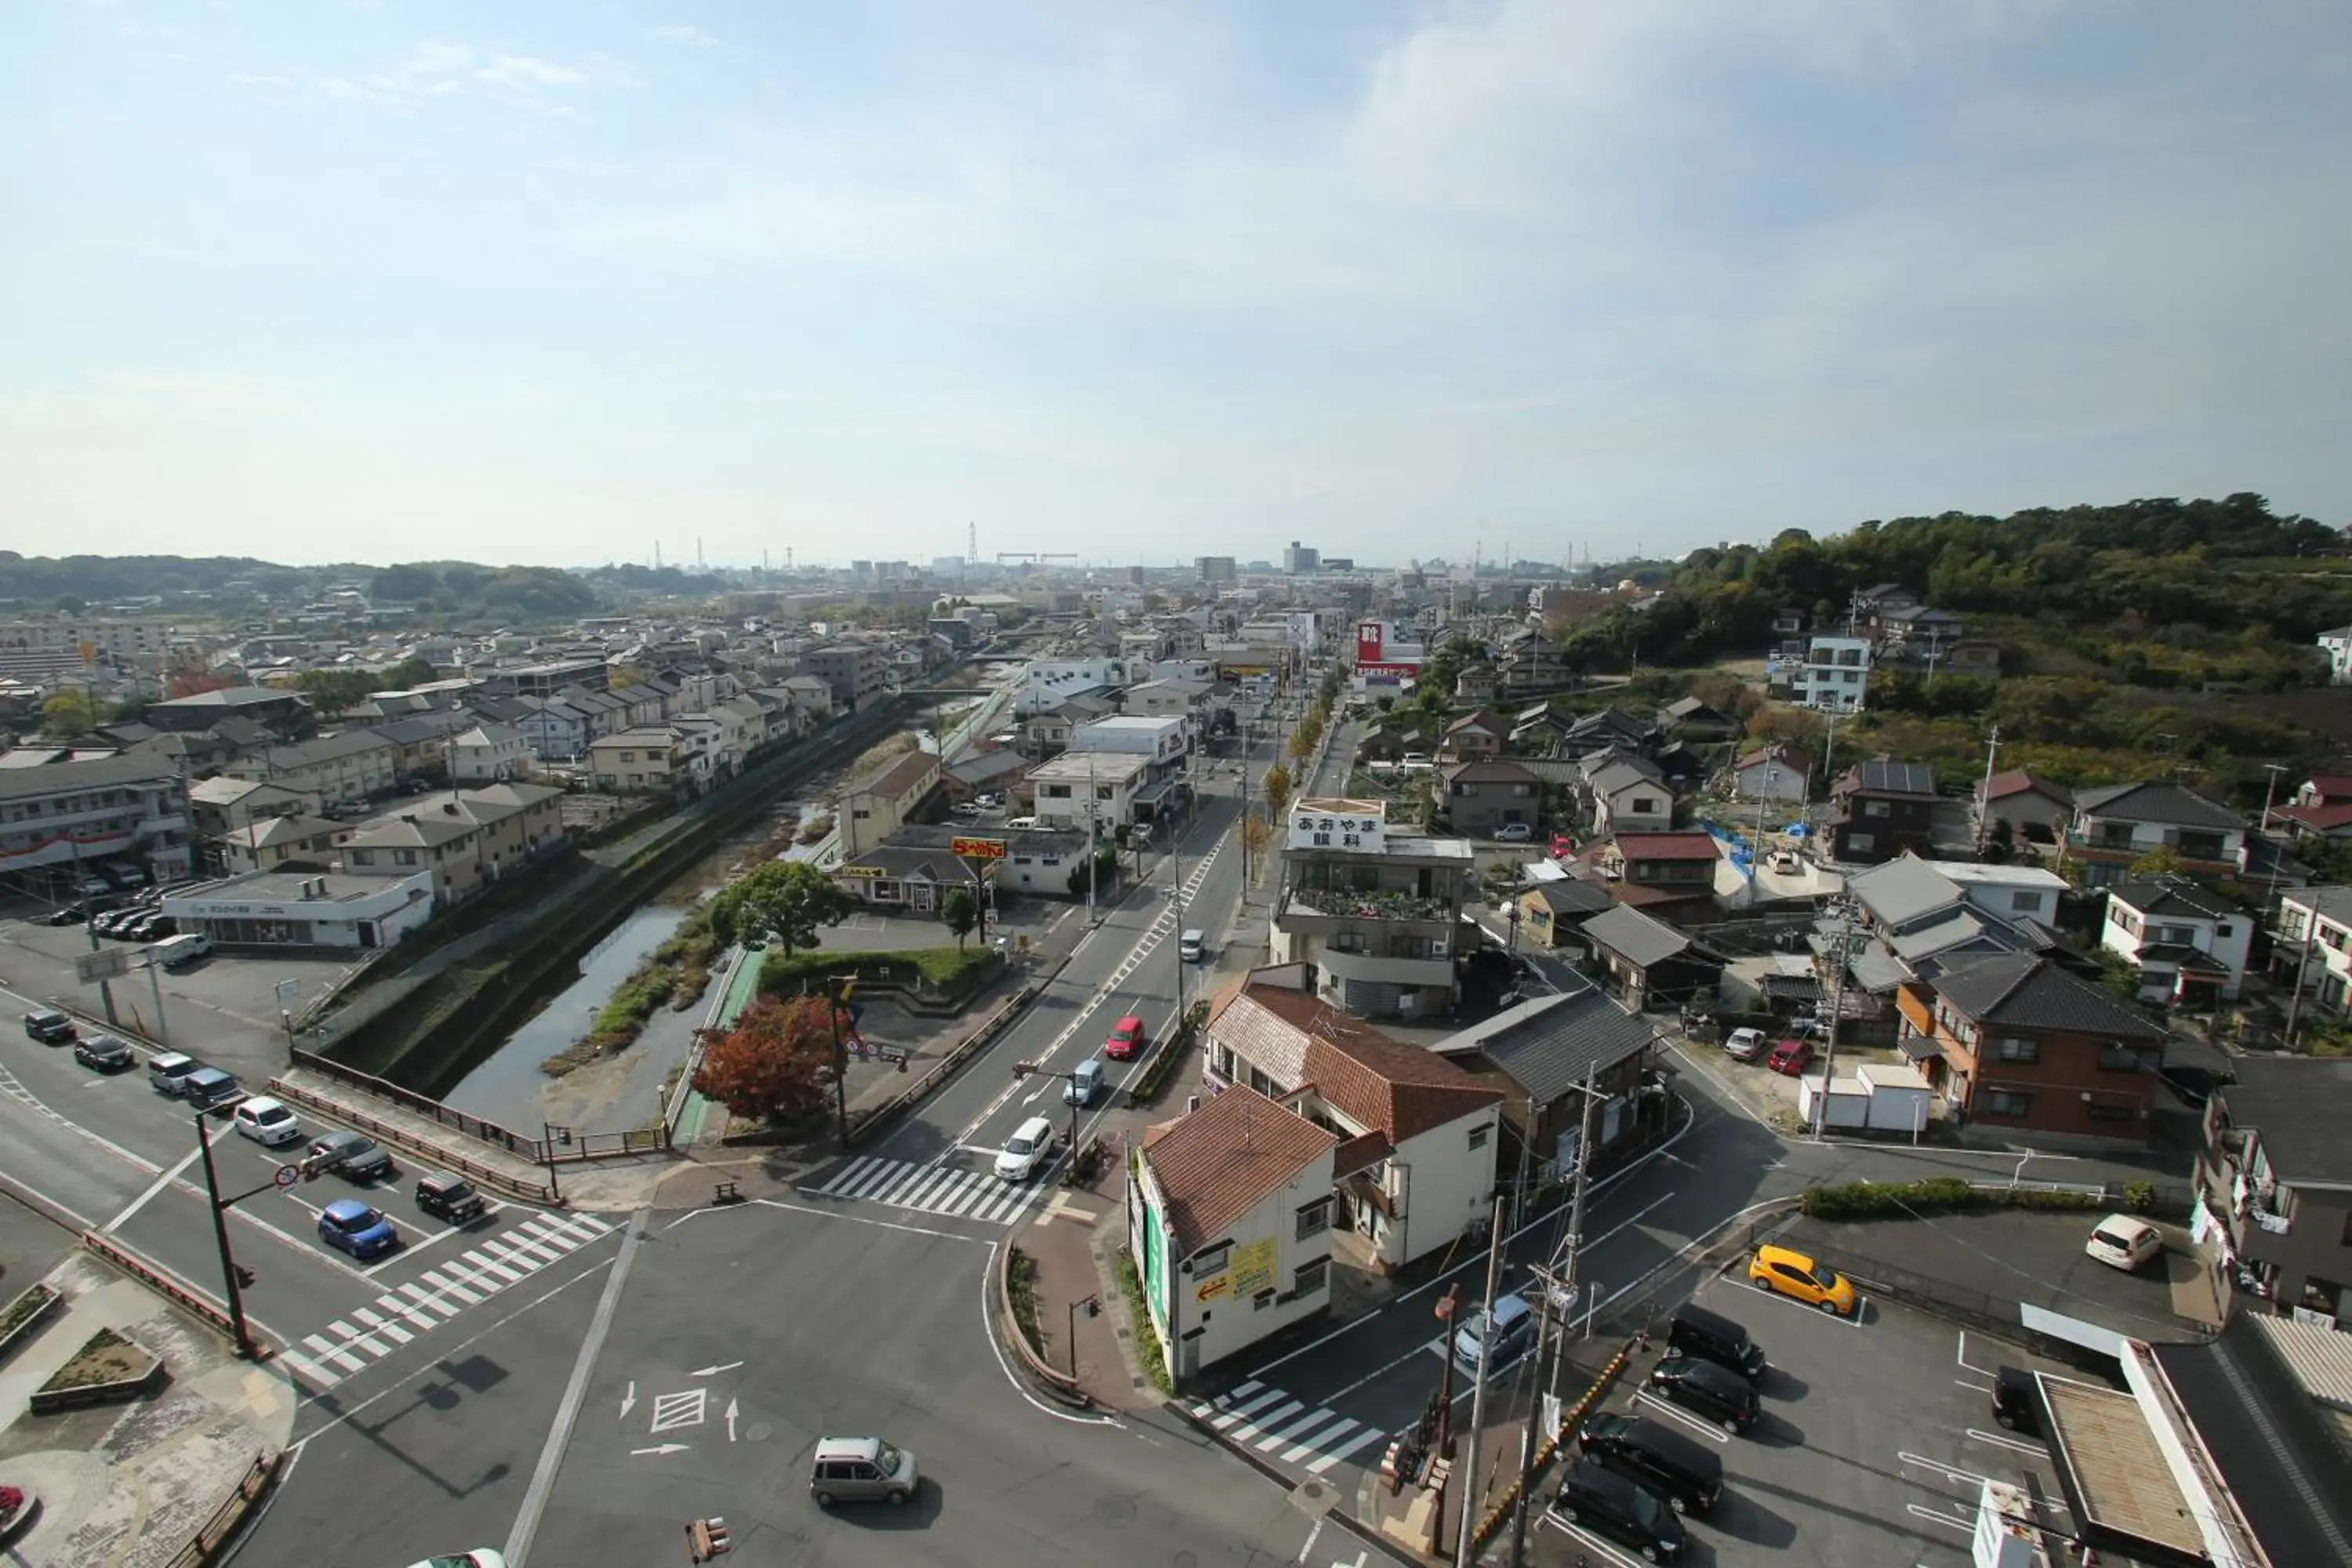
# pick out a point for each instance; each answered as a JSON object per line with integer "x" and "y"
{"x": 231, "y": 1274}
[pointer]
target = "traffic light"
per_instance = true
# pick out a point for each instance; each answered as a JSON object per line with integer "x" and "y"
{"x": 245, "y": 1277}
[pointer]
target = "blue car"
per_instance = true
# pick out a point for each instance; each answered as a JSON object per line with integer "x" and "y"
{"x": 352, "y": 1227}
{"x": 1504, "y": 1333}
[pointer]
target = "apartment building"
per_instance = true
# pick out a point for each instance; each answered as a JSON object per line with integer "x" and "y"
{"x": 852, "y": 672}
{"x": 2274, "y": 1206}
{"x": 67, "y": 814}
{"x": 1835, "y": 675}
{"x": 1371, "y": 910}
{"x": 355, "y": 765}
{"x": 667, "y": 758}
{"x": 1074, "y": 789}
{"x": 467, "y": 839}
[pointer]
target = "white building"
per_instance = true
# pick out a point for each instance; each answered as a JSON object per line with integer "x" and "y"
{"x": 1229, "y": 1214}
{"x": 488, "y": 754}
{"x": 1044, "y": 682}
{"x": 1074, "y": 789}
{"x": 1835, "y": 675}
{"x": 1160, "y": 739}
{"x": 280, "y": 909}
{"x": 1415, "y": 1167}
{"x": 2337, "y": 646}
{"x": 1370, "y": 913}
{"x": 2189, "y": 944}
{"x": 53, "y": 815}
{"x": 2315, "y": 935}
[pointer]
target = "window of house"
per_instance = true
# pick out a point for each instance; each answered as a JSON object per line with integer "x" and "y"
{"x": 404, "y": 856}
{"x": 2118, "y": 1058}
{"x": 1310, "y": 1277}
{"x": 2108, "y": 1111}
{"x": 1643, "y": 805}
{"x": 2016, "y": 1048}
{"x": 1313, "y": 1219}
{"x": 2221, "y": 932}
{"x": 1861, "y": 843}
{"x": 2004, "y": 1102}
{"x": 1211, "y": 1261}
{"x": 1466, "y": 787}
{"x": 1262, "y": 1300}
{"x": 629, "y": 756}
{"x": 1877, "y": 807}
{"x": 1478, "y": 1135}
{"x": 1347, "y": 941}
{"x": 2025, "y": 903}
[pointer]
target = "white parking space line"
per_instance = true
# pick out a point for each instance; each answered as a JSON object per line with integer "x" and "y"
{"x": 1845, "y": 1321}
{"x": 2003, "y": 1440}
{"x": 1961, "y": 1356}
{"x": 1608, "y": 1553}
{"x": 1966, "y": 1524}
{"x": 1698, "y": 1424}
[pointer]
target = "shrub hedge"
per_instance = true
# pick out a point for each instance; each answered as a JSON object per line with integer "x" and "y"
{"x": 1937, "y": 1195}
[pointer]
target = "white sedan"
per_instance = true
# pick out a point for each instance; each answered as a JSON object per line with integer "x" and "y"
{"x": 267, "y": 1121}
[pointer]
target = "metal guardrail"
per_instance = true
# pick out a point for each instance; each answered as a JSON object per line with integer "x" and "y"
{"x": 401, "y": 1138}
{"x": 217, "y": 1531}
{"x": 170, "y": 1285}
{"x": 422, "y": 1104}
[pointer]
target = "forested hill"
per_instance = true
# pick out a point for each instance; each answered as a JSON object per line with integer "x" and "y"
{"x": 2231, "y": 566}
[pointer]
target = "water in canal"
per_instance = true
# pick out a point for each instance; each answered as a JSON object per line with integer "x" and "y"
{"x": 608, "y": 1097}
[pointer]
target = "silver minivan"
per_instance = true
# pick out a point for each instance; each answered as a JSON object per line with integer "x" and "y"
{"x": 1192, "y": 945}
{"x": 860, "y": 1470}
{"x": 167, "y": 1071}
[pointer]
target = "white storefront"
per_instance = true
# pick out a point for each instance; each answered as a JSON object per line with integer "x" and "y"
{"x": 284, "y": 909}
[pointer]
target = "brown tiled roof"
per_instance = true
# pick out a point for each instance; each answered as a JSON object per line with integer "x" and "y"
{"x": 2017, "y": 780}
{"x": 1358, "y": 1153}
{"x": 1221, "y": 1162}
{"x": 1297, "y": 1038}
{"x": 1690, "y": 846}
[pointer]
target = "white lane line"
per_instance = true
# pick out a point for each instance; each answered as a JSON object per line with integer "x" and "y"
{"x": 165, "y": 1180}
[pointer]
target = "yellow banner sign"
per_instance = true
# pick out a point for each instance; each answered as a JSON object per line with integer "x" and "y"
{"x": 1252, "y": 1268}
{"x": 977, "y": 848}
{"x": 861, "y": 871}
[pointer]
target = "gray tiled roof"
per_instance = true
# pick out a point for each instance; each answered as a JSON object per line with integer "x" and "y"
{"x": 1548, "y": 1045}
{"x": 2300, "y": 1105}
{"x": 1637, "y": 937}
{"x": 2169, "y": 804}
{"x": 2172, "y": 896}
{"x": 2031, "y": 993}
{"x": 1904, "y": 889}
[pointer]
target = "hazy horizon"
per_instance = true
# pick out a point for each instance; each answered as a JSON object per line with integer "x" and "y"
{"x": 544, "y": 284}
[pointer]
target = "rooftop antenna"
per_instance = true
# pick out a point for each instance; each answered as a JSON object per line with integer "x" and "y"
{"x": 656, "y": 554}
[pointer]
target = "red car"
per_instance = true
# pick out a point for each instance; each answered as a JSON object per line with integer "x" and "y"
{"x": 1126, "y": 1040}
{"x": 1791, "y": 1056}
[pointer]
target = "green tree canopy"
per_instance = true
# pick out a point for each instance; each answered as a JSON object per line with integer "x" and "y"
{"x": 784, "y": 902}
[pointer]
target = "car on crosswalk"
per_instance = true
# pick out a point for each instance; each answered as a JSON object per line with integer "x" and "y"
{"x": 350, "y": 1226}
{"x": 1031, "y": 1146}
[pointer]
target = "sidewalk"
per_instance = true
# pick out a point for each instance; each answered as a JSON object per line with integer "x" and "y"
{"x": 131, "y": 1484}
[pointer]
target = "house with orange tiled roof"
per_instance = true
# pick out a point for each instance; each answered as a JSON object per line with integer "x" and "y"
{"x": 1416, "y": 1162}
{"x": 1229, "y": 1221}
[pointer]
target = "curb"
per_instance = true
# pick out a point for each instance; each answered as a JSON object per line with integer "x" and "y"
{"x": 1264, "y": 1467}
{"x": 1058, "y": 1386}
{"x": 228, "y": 1520}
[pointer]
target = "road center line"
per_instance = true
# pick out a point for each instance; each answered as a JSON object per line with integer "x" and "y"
{"x": 160, "y": 1182}
{"x": 559, "y": 1434}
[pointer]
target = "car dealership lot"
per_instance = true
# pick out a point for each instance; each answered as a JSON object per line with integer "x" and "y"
{"x": 1877, "y": 1435}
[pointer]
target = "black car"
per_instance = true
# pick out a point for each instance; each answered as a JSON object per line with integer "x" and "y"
{"x": 49, "y": 1026}
{"x": 1598, "y": 1499}
{"x": 105, "y": 1053}
{"x": 353, "y": 1157}
{"x": 72, "y": 914}
{"x": 2016, "y": 1400}
{"x": 1711, "y": 1336}
{"x": 1687, "y": 1473}
{"x": 1713, "y": 1391}
{"x": 452, "y": 1198}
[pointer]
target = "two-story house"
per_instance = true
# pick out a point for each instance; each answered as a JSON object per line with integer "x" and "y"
{"x": 1229, "y": 1218}
{"x": 270, "y": 843}
{"x": 556, "y": 729}
{"x": 1607, "y": 729}
{"x": 1696, "y": 722}
{"x": 224, "y": 805}
{"x": 1482, "y": 795}
{"x": 467, "y": 839}
{"x": 1775, "y": 775}
{"x": 1543, "y": 1052}
{"x": 488, "y": 754}
{"x": 1476, "y": 735}
{"x": 1392, "y": 741}
{"x": 1373, "y": 913}
{"x": 667, "y": 758}
{"x": 2188, "y": 943}
{"x": 1092, "y": 792}
{"x": 2035, "y": 809}
{"x": 1415, "y": 1164}
{"x": 2117, "y": 826}
{"x": 2274, "y": 1186}
{"x": 2020, "y": 1048}
{"x": 1671, "y": 875}
{"x": 2312, "y": 952}
{"x": 354, "y": 766}
{"x": 2337, "y": 645}
{"x": 1625, "y": 792}
{"x": 1882, "y": 809}
{"x": 874, "y": 807}
{"x": 1648, "y": 963}
{"x": 1551, "y": 914}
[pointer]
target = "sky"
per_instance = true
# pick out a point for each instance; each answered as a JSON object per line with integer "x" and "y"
{"x": 556, "y": 281}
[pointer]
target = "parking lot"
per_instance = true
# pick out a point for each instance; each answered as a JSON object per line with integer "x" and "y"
{"x": 1876, "y": 1437}
{"x": 224, "y": 1007}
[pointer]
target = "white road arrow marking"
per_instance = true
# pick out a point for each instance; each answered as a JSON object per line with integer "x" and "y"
{"x": 629, "y": 1401}
{"x": 730, "y": 1420}
{"x": 714, "y": 1371}
{"x": 662, "y": 1449}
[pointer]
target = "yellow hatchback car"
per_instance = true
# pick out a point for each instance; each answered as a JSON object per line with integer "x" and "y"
{"x": 1795, "y": 1275}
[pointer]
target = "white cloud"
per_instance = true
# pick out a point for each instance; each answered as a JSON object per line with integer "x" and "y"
{"x": 435, "y": 71}
{"x": 681, "y": 34}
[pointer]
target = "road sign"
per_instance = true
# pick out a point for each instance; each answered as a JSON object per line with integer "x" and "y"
{"x": 106, "y": 963}
{"x": 288, "y": 1176}
{"x": 977, "y": 848}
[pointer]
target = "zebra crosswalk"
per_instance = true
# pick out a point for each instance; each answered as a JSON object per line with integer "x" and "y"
{"x": 349, "y": 1344}
{"x": 934, "y": 1189}
{"x": 1283, "y": 1428}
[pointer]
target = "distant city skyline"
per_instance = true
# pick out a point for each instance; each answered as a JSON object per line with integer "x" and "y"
{"x": 544, "y": 283}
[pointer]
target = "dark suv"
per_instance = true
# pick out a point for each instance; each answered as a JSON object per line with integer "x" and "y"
{"x": 1686, "y": 1472}
{"x": 353, "y": 1157}
{"x": 1596, "y": 1498}
{"x": 49, "y": 1026}
{"x": 1711, "y": 1336}
{"x": 1710, "y": 1390}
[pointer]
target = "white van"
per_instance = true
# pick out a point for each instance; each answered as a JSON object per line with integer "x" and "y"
{"x": 167, "y": 1071}
{"x": 1192, "y": 945}
{"x": 178, "y": 952}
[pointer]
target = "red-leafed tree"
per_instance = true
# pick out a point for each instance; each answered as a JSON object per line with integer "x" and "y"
{"x": 776, "y": 1063}
{"x": 195, "y": 682}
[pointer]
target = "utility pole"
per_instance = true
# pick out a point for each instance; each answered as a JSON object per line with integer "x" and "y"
{"x": 1559, "y": 1305}
{"x": 1176, "y": 902}
{"x": 2302, "y": 967}
{"x": 235, "y": 1275}
{"x": 155, "y": 983}
{"x": 105, "y": 987}
{"x": 1094, "y": 846}
{"x": 1984, "y": 795}
{"x": 841, "y": 1056}
{"x": 1840, "y": 934}
{"x": 1466, "y": 1525}
{"x": 2269, "y": 790}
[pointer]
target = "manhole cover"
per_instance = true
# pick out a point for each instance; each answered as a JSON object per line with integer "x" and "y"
{"x": 759, "y": 1431}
